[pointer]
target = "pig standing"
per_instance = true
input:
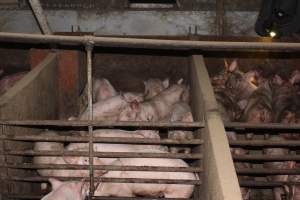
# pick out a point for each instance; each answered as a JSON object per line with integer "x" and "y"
{"x": 66, "y": 190}
{"x": 149, "y": 190}
{"x": 181, "y": 113}
{"x": 154, "y": 86}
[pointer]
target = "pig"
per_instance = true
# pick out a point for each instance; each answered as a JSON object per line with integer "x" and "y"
{"x": 293, "y": 190}
{"x": 102, "y": 90}
{"x": 240, "y": 165}
{"x": 181, "y": 112}
{"x": 155, "y": 109}
{"x": 66, "y": 190}
{"x": 154, "y": 86}
{"x": 109, "y": 109}
{"x": 107, "y": 147}
{"x": 149, "y": 190}
{"x": 278, "y": 191}
{"x": 8, "y": 81}
{"x": 241, "y": 84}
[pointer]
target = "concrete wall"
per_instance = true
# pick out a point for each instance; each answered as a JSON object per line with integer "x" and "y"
{"x": 130, "y": 22}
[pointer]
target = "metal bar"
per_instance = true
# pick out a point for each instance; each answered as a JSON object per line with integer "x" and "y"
{"x": 110, "y": 180}
{"x": 106, "y": 154}
{"x": 18, "y": 196}
{"x": 220, "y": 17}
{"x": 40, "y": 16}
{"x": 266, "y": 158}
{"x": 265, "y": 171}
{"x": 89, "y": 48}
{"x": 266, "y": 184}
{"x": 104, "y": 167}
{"x": 148, "y": 43}
{"x": 264, "y": 126}
{"x": 115, "y": 140}
{"x": 221, "y": 181}
{"x": 109, "y": 125}
{"x": 265, "y": 143}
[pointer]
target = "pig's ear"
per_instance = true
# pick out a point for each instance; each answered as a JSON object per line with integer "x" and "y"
{"x": 180, "y": 81}
{"x": 278, "y": 80}
{"x": 166, "y": 83}
{"x": 233, "y": 66}
{"x": 55, "y": 183}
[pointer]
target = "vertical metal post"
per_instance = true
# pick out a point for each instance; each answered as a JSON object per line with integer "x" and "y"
{"x": 220, "y": 17}
{"x": 89, "y": 48}
{"x": 40, "y": 17}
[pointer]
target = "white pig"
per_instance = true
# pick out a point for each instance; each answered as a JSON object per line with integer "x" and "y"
{"x": 150, "y": 190}
{"x": 109, "y": 109}
{"x": 181, "y": 113}
{"x": 102, "y": 90}
{"x": 155, "y": 109}
{"x": 66, "y": 190}
{"x": 154, "y": 86}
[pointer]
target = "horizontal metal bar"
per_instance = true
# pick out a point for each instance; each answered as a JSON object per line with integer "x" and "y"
{"x": 146, "y": 43}
{"x": 266, "y": 158}
{"x": 101, "y": 139}
{"x": 105, "y": 167}
{"x": 265, "y": 143}
{"x": 107, "y": 179}
{"x": 106, "y": 154}
{"x": 18, "y": 196}
{"x": 264, "y": 126}
{"x": 110, "y": 125}
{"x": 265, "y": 171}
{"x": 265, "y": 184}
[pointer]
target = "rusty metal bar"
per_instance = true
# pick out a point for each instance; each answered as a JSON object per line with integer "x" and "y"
{"x": 266, "y": 158}
{"x": 266, "y": 184}
{"x": 108, "y": 125}
{"x": 89, "y": 50}
{"x": 109, "y": 180}
{"x": 104, "y": 167}
{"x": 265, "y": 171}
{"x": 40, "y": 16}
{"x": 115, "y": 140}
{"x": 148, "y": 43}
{"x": 265, "y": 126}
{"x": 265, "y": 143}
{"x": 107, "y": 154}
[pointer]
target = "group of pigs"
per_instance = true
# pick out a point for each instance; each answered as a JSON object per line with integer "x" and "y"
{"x": 251, "y": 97}
{"x": 160, "y": 102}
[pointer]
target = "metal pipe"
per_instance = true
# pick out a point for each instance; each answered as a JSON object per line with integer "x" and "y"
{"x": 266, "y": 158}
{"x": 40, "y": 16}
{"x": 265, "y": 143}
{"x": 108, "y": 125}
{"x": 244, "y": 126}
{"x": 104, "y": 167}
{"x": 18, "y": 196}
{"x": 194, "y": 156}
{"x": 148, "y": 43}
{"x": 266, "y": 184}
{"x": 117, "y": 140}
{"x": 89, "y": 49}
{"x": 110, "y": 180}
{"x": 265, "y": 171}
